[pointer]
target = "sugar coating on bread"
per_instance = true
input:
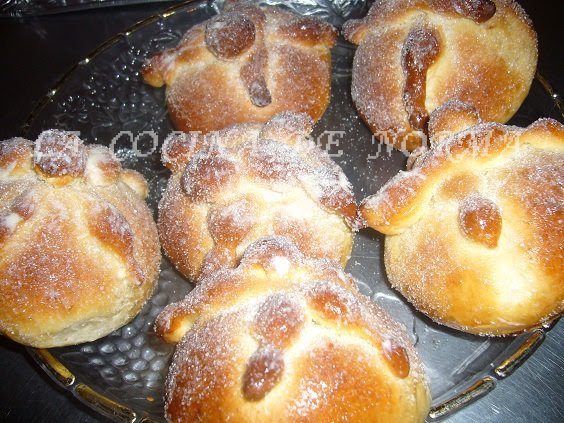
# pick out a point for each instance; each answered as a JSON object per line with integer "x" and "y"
{"x": 79, "y": 248}
{"x": 249, "y": 181}
{"x": 245, "y": 65}
{"x": 287, "y": 338}
{"x": 474, "y": 230}
{"x": 415, "y": 55}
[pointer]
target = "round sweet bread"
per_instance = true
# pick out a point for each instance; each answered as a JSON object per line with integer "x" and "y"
{"x": 249, "y": 181}
{"x": 285, "y": 338}
{"x": 79, "y": 250}
{"x": 245, "y": 65}
{"x": 474, "y": 233}
{"x": 414, "y": 56}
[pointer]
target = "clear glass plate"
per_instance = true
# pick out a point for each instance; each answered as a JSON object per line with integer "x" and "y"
{"x": 104, "y": 97}
{"x": 21, "y": 8}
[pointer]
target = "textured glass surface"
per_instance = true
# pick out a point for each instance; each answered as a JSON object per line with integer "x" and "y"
{"x": 104, "y": 97}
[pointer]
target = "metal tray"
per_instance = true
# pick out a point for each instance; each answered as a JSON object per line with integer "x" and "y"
{"x": 104, "y": 98}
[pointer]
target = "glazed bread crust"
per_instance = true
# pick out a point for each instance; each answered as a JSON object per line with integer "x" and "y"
{"x": 288, "y": 339}
{"x": 415, "y": 55}
{"x": 474, "y": 230}
{"x": 245, "y": 65}
{"x": 79, "y": 251}
{"x": 250, "y": 181}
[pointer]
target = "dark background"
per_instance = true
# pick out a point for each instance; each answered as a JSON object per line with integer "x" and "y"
{"x": 36, "y": 52}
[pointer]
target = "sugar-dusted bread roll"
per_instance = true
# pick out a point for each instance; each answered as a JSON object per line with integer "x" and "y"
{"x": 245, "y": 65}
{"x": 250, "y": 181}
{"x": 475, "y": 238}
{"x": 79, "y": 251}
{"x": 288, "y": 339}
{"x": 415, "y": 55}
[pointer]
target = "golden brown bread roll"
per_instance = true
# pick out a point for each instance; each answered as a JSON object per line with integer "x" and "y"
{"x": 288, "y": 339}
{"x": 245, "y": 65}
{"x": 79, "y": 251}
{"x": 415, "y": 55}
{"x": 249, "y": 181}
{"x": 474, "y": 232}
